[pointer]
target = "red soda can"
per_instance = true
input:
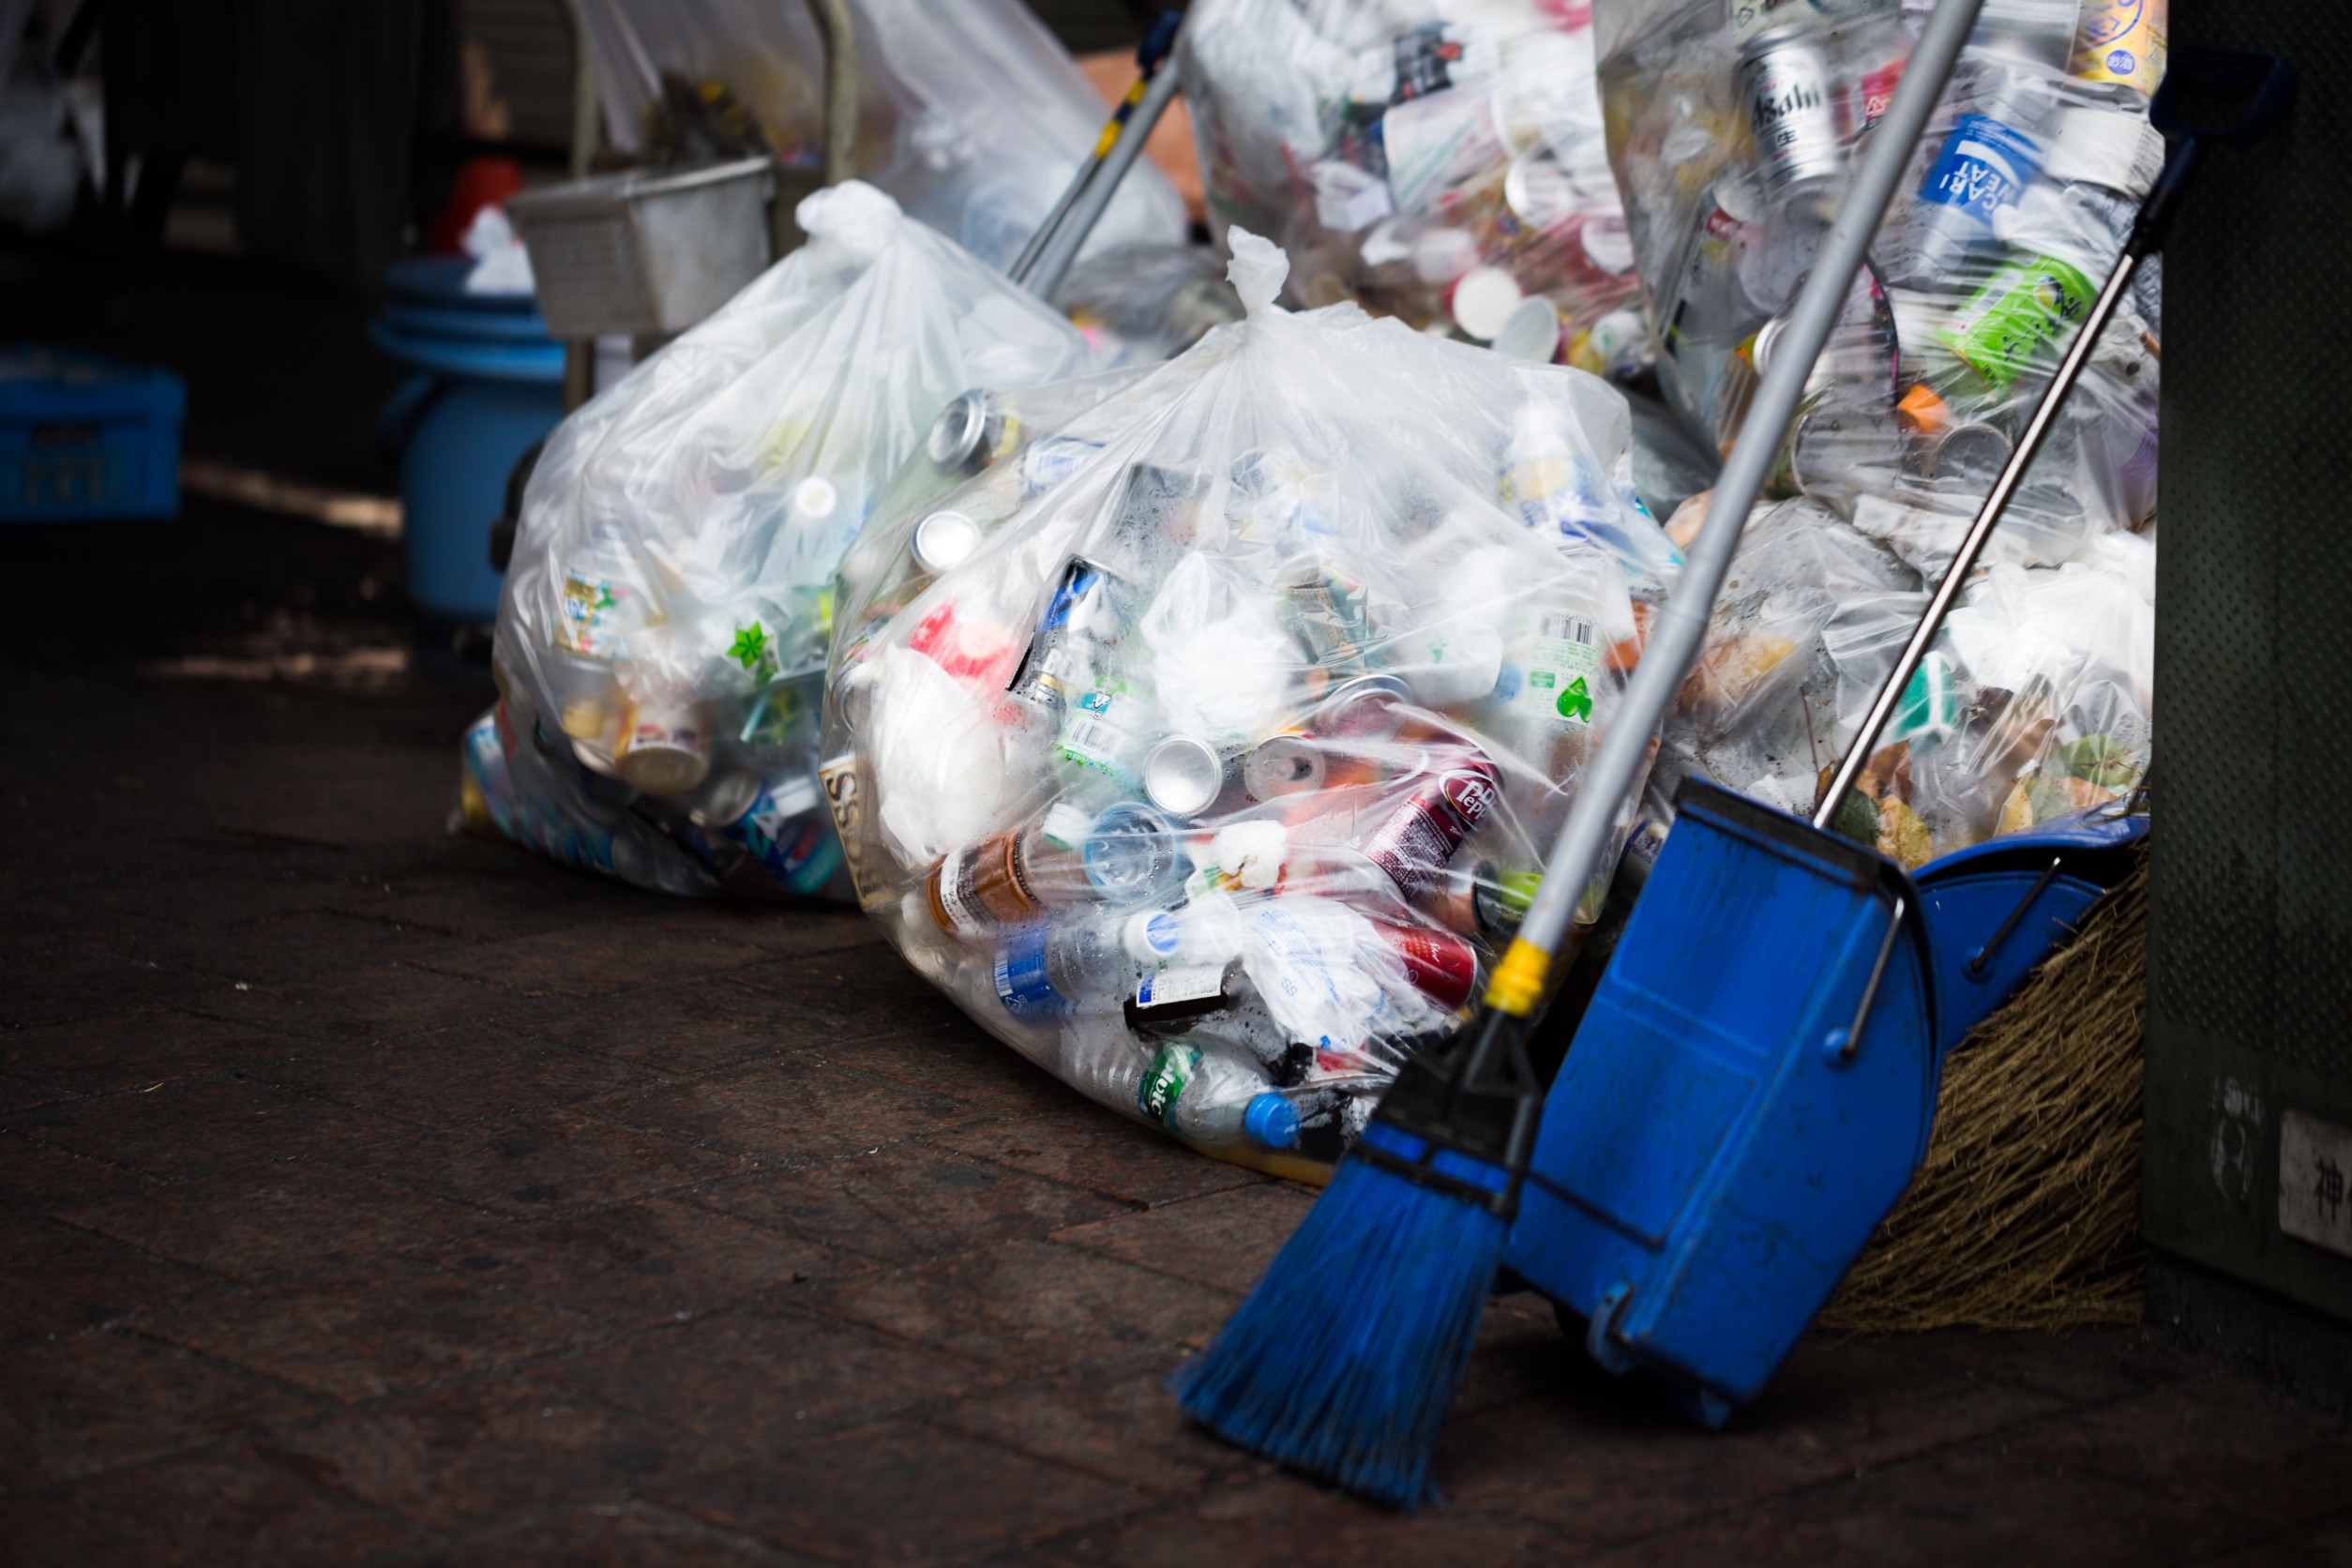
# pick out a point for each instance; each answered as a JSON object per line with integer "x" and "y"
{"x": 1441, "y": 965}
{"x": 1416, "y": 839}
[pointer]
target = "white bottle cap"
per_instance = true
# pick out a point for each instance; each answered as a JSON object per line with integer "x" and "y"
{"x": 1484, "y": 300}
{"x": 814, "y": 497}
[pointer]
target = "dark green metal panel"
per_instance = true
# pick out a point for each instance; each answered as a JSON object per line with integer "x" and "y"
{"x": 2250, "y": 956}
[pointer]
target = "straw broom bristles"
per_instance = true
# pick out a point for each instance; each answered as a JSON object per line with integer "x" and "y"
{"x": 2025, "y": 1213}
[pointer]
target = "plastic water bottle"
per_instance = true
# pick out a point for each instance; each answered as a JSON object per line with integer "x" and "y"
{"x": 1133, "y": 856}
{"x": 1209, "y": 1098}
{"x": 1045, "y": 973}
{"x": 1988, "y": 159}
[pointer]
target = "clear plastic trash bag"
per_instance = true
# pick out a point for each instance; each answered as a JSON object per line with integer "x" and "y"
{"x": 2033, "y": 702}
{"x": 1215, "y": 763}
{"x": 1733, "y": 132}
{"x": 970, "y": 114}
{"x": 662, "y": 632}
{"x": 1436, "y": 159}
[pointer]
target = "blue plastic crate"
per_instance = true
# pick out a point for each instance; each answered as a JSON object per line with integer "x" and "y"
{"x": 84, "y": 437}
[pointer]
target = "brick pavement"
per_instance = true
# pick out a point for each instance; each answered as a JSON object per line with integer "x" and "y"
{"x": 372, "y": 1195}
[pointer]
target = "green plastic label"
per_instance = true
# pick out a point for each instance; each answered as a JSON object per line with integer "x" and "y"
{"x": 2024, "y": 306}
{"x": 1164, "y": 1082}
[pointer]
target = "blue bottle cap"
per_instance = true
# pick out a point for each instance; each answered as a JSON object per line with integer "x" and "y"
{"x": 1272, "y": 1120}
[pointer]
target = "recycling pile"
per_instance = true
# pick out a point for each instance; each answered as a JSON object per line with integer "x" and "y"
{"x": 1733, "y": 131}
{"x": 662, "y": 635}
{"x": 1441, "y": 161}
{"x": 1212, "y": 757}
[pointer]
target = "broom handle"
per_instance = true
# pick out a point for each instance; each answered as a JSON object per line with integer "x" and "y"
{"x": 1988, "y": 517}
{"x": 1682, "y": 623}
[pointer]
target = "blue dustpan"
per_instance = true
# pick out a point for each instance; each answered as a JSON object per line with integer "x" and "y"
{"x": 1744, "y": 1100}
{"x": 1998, "y": 908}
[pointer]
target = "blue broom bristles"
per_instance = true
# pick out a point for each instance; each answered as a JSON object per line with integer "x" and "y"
{"x": 1344, "y": 1359}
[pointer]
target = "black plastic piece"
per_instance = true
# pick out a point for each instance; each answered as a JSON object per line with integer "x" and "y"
{"x": 2260, "y": 83}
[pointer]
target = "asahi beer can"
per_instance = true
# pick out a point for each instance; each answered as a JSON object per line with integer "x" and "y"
{"x": 1183, "y": 775}
{"x": 944, "y": 540}
{"x": 1784, "y": 82}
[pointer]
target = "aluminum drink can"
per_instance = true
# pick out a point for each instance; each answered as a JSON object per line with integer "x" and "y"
{"x": 970, "y": 434}
{"x": 665, "y": 749}
{"x": 1441, "y": 965}
{"x": 1284, "y": 765}
{"x": 1413, "y": 844}
{"x": 1784, "y": 82}
{"x": 944, "y": 540}
{"x": 2121, "y": 41}
{"x": 791, "y": 835}
{"x": 1185, "y": 777}
{"x": 1081, "y": 617}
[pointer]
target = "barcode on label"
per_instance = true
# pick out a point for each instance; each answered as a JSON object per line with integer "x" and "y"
{"x": 1568, "y": 628}
{"x": 1173, "y": 987}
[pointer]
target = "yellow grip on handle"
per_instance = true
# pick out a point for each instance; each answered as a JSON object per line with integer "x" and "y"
{"x": 1517, "y": 983}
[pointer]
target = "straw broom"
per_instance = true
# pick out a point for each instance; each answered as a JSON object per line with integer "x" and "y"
{"x": 2025, "y": 1213}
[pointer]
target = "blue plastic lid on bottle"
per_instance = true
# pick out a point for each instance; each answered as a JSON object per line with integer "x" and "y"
{"x": 1022, "y": 983}
{"x": 1273, "y": 1121}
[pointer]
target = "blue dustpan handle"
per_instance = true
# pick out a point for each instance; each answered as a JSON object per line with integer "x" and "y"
{"x": 2265, "y": 80}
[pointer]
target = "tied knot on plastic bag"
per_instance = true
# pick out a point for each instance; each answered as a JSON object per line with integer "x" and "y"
{"x": 853, "y": 216}
{"x": 1258, "y": 271}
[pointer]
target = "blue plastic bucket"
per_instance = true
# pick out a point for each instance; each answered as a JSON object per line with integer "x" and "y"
{"x": 485, "y": 382}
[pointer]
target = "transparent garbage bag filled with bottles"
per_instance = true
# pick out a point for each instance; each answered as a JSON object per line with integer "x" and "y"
{"x": 1441, "y": 160}
{"x": 662, "y": 632}
{"x": 2034, "y": 700}
{"x": 1215, "y": 763}
{"x": 970, "y": 114}
{"x": 1733, "y": 130}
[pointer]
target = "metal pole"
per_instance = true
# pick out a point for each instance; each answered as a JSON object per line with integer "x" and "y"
{"x": 839, "y": 35}
{"x": 1054, "y": 264}
{"x": 1682, "y": 623}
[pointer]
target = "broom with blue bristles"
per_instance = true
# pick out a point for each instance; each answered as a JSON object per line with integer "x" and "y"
{"x": 1343, "y": 1360}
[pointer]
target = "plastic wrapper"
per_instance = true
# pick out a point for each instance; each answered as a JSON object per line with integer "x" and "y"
{"x": 970, "y": 114}
{"x": 663, "y": 630}
{"x": 1214, "y": 765}
{"x": 1734, "y": 129}
{"x": 1441, "y": 160}
{"x": 2034, "y": 700}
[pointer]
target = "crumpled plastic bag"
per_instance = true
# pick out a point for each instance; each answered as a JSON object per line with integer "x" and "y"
{"x": 662, "y": 632}
{"x": 1441, "y": 162}
{"x": 970, "y": 114}
{"x": 2034, "y": 700}
{"x": 1215, "y": 765}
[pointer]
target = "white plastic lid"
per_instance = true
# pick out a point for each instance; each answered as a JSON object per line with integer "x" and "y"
{"x": 1441, "y": 255}
{"x": 1484, "y": 300}
{"x": 946, "y": 541}
{"x": 1531, "y": 331}
{"x": 814, "y": 497}
{"x": 2108, "y": 147}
